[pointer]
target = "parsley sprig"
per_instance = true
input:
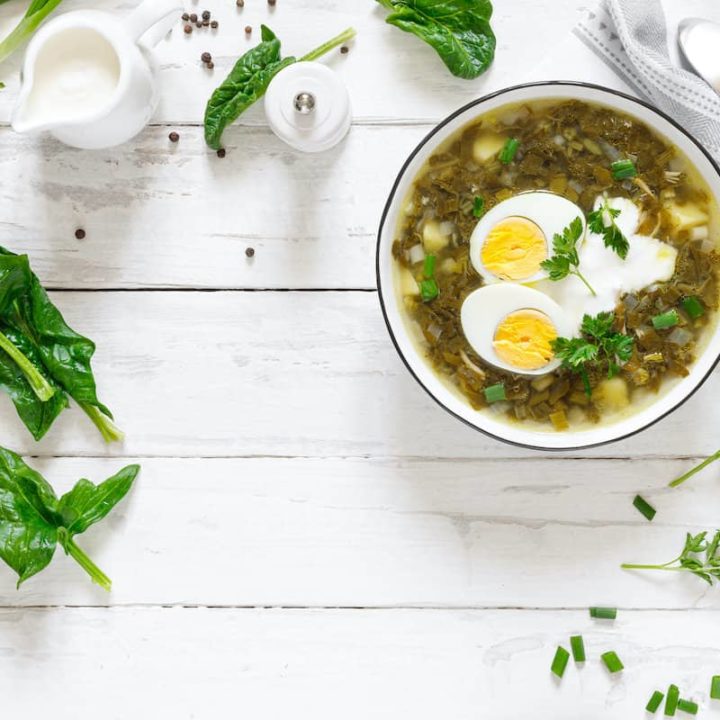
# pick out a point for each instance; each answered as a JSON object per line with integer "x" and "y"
{"x": 598, "y": 343}
{"x": 699, "y": 556}
{"x": 565, "y": 260}
{"x": 602, "y": 222}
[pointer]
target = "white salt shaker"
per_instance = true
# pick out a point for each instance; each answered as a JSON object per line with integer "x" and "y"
{"x": 307, "y": 106}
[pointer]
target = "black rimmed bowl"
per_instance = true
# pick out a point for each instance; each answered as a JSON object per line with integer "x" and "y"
{"x": 411, "y": 353}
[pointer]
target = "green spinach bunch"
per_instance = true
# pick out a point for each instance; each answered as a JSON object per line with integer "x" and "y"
{"x": 249, "y": 79}
{"x": 43, "y": 362}
{"x": 458, "y": 30}
{"x": 33, "y": 520}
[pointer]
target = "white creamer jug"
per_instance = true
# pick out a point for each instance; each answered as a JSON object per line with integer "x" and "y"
{"x": 89, "y": 78}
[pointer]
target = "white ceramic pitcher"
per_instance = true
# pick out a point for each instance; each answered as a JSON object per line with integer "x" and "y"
{"x": 121, "y": 59}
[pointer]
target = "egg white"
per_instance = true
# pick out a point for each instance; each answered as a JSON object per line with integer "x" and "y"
{"x": 485, "y": 308}
{"x": 648, "y": 261}
{"x": 551, "y": 213}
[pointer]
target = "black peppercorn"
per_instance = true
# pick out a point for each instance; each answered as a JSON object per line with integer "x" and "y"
{"x": 187, "y": 29}
{"x": 214, "y": 24}
{"x": 80, "y": 234}
{"x": 206, "y": 15}
{"x": 221, "y": 153}
{"x": 249, "y": 251}
{"x": 248, "y": 29}
{"x": 240, "y": 3}
{"x": 206, "y": 57}
{"x": 271, "y": 3}
{"x": 344, "y": 49}
{"x": 174, "y": 137}
{"x": 193, "y": 17}
{"x": 185, "y": 17}
{"x": 210, "y": 65}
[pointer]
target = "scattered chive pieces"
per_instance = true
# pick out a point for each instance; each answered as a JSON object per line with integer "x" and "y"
{"x": 603, "y": 613}
{"x": 612, "y": 661}
{"x": 687, "y": 706}
{"x": 560, "y": 661}
{"x": 644, "y": 507}
{"x": 478, "y": 206}
{"x": 654, "y": 701}
{"x": 715, "y": 688}
{"x": 509, "y": 149}
{"x": 495, "y": 393}
{"x": 578, "y": 648}
{"x": 666, "y": 320}
{"x": 671, "y": 701}
{"x": 623, "y": 169}
{"x": 693, "y": 307}
{"x": 428, "y": 290}
{"x": 429, "y": 266}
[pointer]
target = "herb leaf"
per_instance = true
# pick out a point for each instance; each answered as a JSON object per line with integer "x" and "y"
{"x": 33, "y": 521}
{"x": 602, "y": 222}
{"x": 249, "y": 79}
{"x": 566, "y": 260}
{"x": 699, "y": 556}
{"x": 458, "y": 30}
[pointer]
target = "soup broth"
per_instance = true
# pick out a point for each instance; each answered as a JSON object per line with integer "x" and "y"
{"x": 491, "y": 211}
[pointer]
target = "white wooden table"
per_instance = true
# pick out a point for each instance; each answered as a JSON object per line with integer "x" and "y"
{"x": 311, "y": 537}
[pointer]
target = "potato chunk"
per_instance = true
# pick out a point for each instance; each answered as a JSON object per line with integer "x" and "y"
{"x": 408, "y": 284}
{"x": 612, "y": 394}
{"x": 436, "y": 236}
{"x": 686, "y": 216}
{"x": 487, "y": 145}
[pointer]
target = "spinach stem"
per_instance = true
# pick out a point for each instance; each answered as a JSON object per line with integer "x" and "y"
{"x": 108, "y": 429}
{"x": 696, "y": 469}
{"x": 344, "y": 36}
{"x": 39, "y": 384}
{"x": 587, "y": 284}
{"x": 97, "y": 575}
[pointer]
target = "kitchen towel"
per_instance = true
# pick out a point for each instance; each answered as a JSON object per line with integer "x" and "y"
{"x": 631, "y": 37}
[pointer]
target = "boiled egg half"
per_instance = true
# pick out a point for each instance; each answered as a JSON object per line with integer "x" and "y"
{"x": 513, "y": 238}
{"x": 512, "y": 327}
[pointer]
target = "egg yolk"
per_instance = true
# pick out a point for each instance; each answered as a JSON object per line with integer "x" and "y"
{"x": 514, "y": 249}
{"x": 523, "y": 339}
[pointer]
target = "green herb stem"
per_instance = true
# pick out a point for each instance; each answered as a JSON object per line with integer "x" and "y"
{"x": 108, "y": 429}
{"x": 695, "y": 470}
{"x": 97, "y": 575}
{"x": 343, "y": 37}
{"x": 587, "y": 284}
{"x": 36, "y": 13}
{"x": 39, "y": 384}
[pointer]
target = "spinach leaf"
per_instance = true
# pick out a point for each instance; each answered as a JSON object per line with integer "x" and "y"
{"x": 459, "y": 30}
{"x": 246, "y": 83}
{"x": 249, "y": 79}
{"x": 41, "y": 355}
{"x": 33, "y": 521}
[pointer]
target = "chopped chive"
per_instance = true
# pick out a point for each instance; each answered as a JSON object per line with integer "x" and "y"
{"x": 666, "y": 320}
{"x": 687, "y": 706}
{"x": 428, "y": 290}
{"x": 429, "y": 266}
{"x": 623, "y": 169}
{"x": 602, "y": 613}
{"x": 495, "y": 393}
{"x": 509, "y": 149}
{"x": 560, "y": 661}
{"x": 578, "y": 648}
{"x": 478, "y": 206}
{"x": 654, "y": 701}
{"x": 644, "y": 507}
{"x": 671, "y": 701}
{"x": 612, "y": 661}
{"x": 693, "y": 307}
{"x": 715, "y": 688}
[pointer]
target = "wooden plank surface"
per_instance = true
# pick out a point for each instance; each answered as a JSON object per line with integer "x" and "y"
{"x": 384, "y": 533}
{"x": 273, "y": 664}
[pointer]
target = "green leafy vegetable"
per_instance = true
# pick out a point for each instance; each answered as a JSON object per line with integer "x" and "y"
{"x": 598, "y": 343}
{"x": 623, "y": 169}
{"x": 495, "y": 393}
{"x": 561, "y": 264}
{"x": 42, "y": 360}
{"x": 33, "y": 520}
{"x": 458, "y": 30}
{"x": 478, "y": 206}
{"x": 37, "y": 11}
{"x": 602, "y": 222}
{"x": 509, "y": 151}
{"x": 655, "y": 701}
{"x": 644, "y": 507}
{"x": 249, "y": 79}
{"x": 699, "y": 556}
{"x": 560, "y": 661}
{"x": 429, "y": 289}
{"x": 612, "y": 661}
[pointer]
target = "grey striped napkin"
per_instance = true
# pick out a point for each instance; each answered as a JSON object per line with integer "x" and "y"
{"x": 631, "y": 37}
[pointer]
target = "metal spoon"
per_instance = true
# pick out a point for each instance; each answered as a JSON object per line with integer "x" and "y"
{"x": 699, "y": 42}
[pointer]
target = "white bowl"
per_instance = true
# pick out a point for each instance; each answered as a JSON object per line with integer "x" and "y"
{"x": 453, "y": 402}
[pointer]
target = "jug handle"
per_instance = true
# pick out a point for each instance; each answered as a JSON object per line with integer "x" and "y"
{"x": 157, "y": 16}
